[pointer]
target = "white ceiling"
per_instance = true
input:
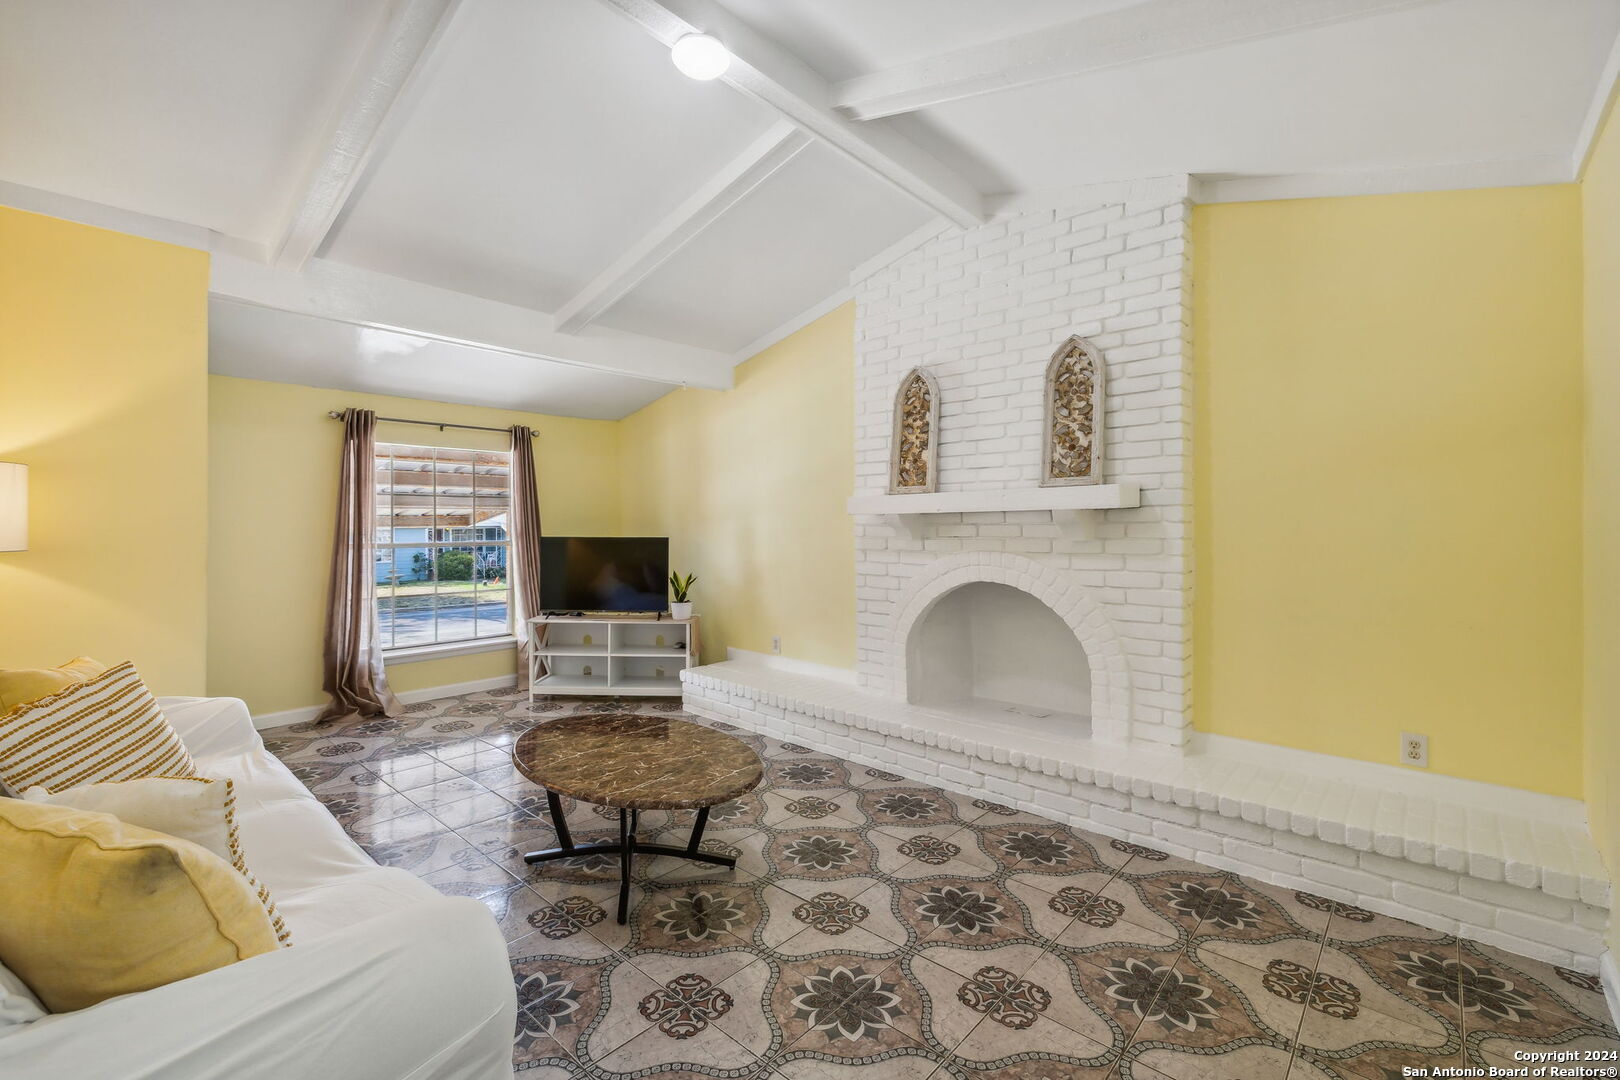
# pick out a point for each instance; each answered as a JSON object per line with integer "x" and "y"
{"x": 535, "y": 156}
{"x": 194, "y": 110}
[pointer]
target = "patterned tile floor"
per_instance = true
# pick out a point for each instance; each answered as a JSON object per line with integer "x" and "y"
{"x": 880, "y": 928}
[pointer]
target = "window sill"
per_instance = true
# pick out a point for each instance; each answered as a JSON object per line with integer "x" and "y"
{"x": 413, "y": 653}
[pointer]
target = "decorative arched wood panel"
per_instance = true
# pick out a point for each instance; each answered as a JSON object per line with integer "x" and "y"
{"x": 914, "y": 448}
{"x": 1072, "y": 444}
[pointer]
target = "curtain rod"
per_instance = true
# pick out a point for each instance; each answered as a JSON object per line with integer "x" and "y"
{"x": 429, "y": 423}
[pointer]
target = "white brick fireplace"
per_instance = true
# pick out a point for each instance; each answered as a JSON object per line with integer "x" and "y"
{"x": 1032, "y": 644}
{"x": 982, "y": 311}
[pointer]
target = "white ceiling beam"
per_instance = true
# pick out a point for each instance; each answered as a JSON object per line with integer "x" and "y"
{"x": 350, "y": 294}
{"x": 394, "y": 62}
{"x": 1130, "y": 35}
{"x": 763, "y": 69}
{"x": 718, "y": 194}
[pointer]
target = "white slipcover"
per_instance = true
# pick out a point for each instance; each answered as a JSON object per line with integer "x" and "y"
{"x": 385, "y": 980}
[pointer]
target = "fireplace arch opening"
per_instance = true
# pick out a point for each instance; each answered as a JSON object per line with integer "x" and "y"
{"x": 995, "y": 654}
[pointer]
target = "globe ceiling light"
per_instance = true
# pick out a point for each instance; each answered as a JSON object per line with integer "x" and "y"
{"x": 701, "y": 57}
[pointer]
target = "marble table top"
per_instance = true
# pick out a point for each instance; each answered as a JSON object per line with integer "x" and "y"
{"x": 637, "y": 762}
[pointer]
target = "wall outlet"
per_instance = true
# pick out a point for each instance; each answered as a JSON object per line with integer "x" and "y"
{"x": 1414, "y": 750}
{"x": 776, "y": 646}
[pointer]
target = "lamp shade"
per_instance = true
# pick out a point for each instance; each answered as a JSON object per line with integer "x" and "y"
{"x": 13, "y": 506}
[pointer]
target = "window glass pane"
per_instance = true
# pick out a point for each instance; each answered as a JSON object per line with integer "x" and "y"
{"x": 413, "y": 599}
{"x": 443, "y": 515}
{"x": 491, "y": 594}
{"x": 385, "y": 491}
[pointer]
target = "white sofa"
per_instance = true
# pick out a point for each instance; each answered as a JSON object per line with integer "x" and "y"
{"x": 385, "y": 979}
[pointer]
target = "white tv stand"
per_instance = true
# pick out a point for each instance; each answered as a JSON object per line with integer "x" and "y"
{"x": 602, "y": 655}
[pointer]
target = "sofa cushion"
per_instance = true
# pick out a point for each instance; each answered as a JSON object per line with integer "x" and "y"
{"x": 95, "y": 908}
{"x": 193, "y": 808}
{"x": 105, "y": 728}
{"x": 19, "y": 686}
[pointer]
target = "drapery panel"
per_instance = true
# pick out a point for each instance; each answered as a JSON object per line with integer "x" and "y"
{"x": 353, "y": 673}
{"x": 525, "y": 535}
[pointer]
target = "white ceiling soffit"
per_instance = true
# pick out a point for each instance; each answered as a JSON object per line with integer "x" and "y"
{"x": 279, "y": 346}
{"x": 366, "y": 298}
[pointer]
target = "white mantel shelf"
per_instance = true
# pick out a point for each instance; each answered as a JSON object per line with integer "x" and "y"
{"x": 1077, "y": 497}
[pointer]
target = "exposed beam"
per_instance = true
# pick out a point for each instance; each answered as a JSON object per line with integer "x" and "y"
{"x": 762, "y": 68}
{"x": 722, "y": 191}
{"x": 361, "y": 297}
{"x": 1130, "y": 35}
{"x": 393, "y": 62}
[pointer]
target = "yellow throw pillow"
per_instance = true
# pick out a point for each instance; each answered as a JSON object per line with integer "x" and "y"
{"x": 105, "y": 728}
{"x": 192, "y": 808}
{"x": 95, "y": 908}
{"x": 22, "y": 685}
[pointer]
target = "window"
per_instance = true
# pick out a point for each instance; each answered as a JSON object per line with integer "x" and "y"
{"x": 442, "y": 545}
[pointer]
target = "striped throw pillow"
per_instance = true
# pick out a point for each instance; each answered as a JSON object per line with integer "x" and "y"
{"x": 106, "y": 728}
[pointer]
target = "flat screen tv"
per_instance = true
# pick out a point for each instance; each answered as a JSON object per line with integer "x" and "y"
{"x": 604, "y": 573}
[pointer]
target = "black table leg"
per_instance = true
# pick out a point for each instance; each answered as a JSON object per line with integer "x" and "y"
{"x": 627, "y": 849}
{"x": 697, "y": 830}
{"x": 559, "y": 822}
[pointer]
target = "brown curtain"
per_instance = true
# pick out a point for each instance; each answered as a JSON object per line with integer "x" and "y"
{"x": 525, "y": 532}
{"x": 353, "y": 659}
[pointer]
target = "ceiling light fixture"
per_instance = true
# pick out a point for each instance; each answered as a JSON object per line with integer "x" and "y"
{"x": 701, "y": 57}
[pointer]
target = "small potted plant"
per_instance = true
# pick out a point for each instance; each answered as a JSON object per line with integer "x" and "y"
{"x": 680, "y": 607}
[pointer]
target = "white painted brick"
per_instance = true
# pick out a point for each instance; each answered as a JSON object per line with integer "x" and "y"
{"x": 1268, "y": 858}
{"x": 1427, "y": 876}
{"x": 1356, "y": 880}
{"x": 1533, "y": 901}
{"x": 1448, "y": 904}
{"x": 1560, "y": 934}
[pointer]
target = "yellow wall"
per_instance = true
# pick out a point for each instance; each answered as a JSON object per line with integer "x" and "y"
{"x": 273, "y": 473}
{"x": 750, "y": 485}
{"x": 103, "y": 393}
{"x": 1600, "y": 196}
{"x": 1388, "y": 479}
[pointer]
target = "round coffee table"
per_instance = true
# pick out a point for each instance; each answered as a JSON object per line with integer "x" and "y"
{"x": 634, "y": 763}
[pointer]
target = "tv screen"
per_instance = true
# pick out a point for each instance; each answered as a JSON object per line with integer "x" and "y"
{"x": 604, "y": 573}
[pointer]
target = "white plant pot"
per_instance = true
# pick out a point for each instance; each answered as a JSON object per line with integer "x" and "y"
{"x": 680, "y": 611}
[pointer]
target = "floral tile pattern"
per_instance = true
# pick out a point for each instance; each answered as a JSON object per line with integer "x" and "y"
{"x": 877, "y": 928}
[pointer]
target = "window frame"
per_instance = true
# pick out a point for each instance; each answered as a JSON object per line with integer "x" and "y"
{"x": 435, "y": 540}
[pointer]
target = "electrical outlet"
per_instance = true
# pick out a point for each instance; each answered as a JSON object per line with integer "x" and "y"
{"x": 1414, "y": 750}
{"x": 776, "y": 646}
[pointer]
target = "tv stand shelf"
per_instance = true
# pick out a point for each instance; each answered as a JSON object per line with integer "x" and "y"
{"x": 609, "y": 655}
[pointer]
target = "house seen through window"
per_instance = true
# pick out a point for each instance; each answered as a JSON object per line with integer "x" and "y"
{"x": 442, "y": 544}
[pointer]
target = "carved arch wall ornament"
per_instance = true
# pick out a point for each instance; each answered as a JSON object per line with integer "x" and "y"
{"x": 1072, "y": 443}
{"x": 914, "y": 448}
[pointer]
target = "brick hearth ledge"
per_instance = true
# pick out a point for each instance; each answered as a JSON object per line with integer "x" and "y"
{"x": 1496, "y": 865}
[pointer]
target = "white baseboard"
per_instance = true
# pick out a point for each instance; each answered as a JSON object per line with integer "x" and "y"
{"x": 1609, "y": 972}
{"x": 310, "y": 712}
{"x": 797, "y": 667}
